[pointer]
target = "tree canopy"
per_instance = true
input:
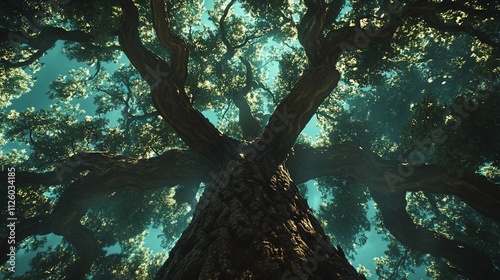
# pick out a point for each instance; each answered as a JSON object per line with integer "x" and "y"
{"x": 406, "y": 96}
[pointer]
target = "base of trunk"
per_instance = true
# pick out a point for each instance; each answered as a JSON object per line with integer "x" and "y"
{"x": 252, "y": 223}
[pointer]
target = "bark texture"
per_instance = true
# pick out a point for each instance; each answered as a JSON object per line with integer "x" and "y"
{"x": 255, "y": 225}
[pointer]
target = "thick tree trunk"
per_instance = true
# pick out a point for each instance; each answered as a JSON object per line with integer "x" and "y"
{"x": 252, "y": 223}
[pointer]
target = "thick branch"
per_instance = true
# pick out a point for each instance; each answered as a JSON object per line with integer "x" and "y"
{"x": 296, "y": 109}
{"x": 167, "y": 83}
{"x": 471, "y": 262}
{"x": 172, "y": 168}
{"x": 436, "y": 23}
{"x": 24, "y": 229}
{"x": 85, "y": 242}
{"x": 179, "y": 54}
{"x": 392, "y": 177}
{"x": 42, "y": 42}
{"x": 355, "y": 37}
{"x": 109, "y": 174}
{"x": 310, "y": 32}
{"x": 98, "y": 162}
{"x": 389, "y": 193}
{"x": 312, "y": 88}
{"x": 431, "y": 17}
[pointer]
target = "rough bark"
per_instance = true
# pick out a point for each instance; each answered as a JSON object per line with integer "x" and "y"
{"x": 254, "y": 225}
{"x": 176, "y": 167}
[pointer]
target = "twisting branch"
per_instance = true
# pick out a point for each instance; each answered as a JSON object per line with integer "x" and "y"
{"x": 230, "y": 48}
{"x": 436, "y": 23}
{"x": 348, "y": 159}
{"x": 167, "y": 82}
{"x": 179, "y": 53}
{"x": 355, "y": 37}
{"x": 45, "y": 38}
{"x": 266, "y": 89}
{"x": 387, "y": 176}
{"x": 109, "y": 173}
{"x": 471, "y": 262}
{"x": 248, "y": 123}
{"x": 85, "y": 242}
{"x": 222, "y": 26}
{"x": 310, "y": 31}
{"x": 296, "y": 109}
{"x": 98, "y": 162}
{"x": 308, "y": 93}
{"x": 430, "y": 11}
{"x": 151, "y": 67}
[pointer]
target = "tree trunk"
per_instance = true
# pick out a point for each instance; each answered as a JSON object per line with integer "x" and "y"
{"x": 252, "y": 223}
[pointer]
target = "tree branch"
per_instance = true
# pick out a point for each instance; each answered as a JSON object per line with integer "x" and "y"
{"x": 309, "y": 92}
{"x": 85, "y": 242}
{"x": 179, "y": 53}
{"x": 389, "y": 193}
{"x": 310, "y": 31}
{"x": 222, "y": 26}
{"x": 296, "y": 109}
{"x": 471, "y": 262}
{"x": 167, "y": 83}
{"x": 436, "y": 23}
{"x": 44, "y": 41}
{"x": 248, "y": 123}
{"x": 108, "y": 174}
{"x": 355, "y": 37}
{"x": 387, "y": 176}
{"x": 97, "y": 162}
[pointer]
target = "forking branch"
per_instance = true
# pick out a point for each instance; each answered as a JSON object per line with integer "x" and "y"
{"x": 167, "y": 82}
